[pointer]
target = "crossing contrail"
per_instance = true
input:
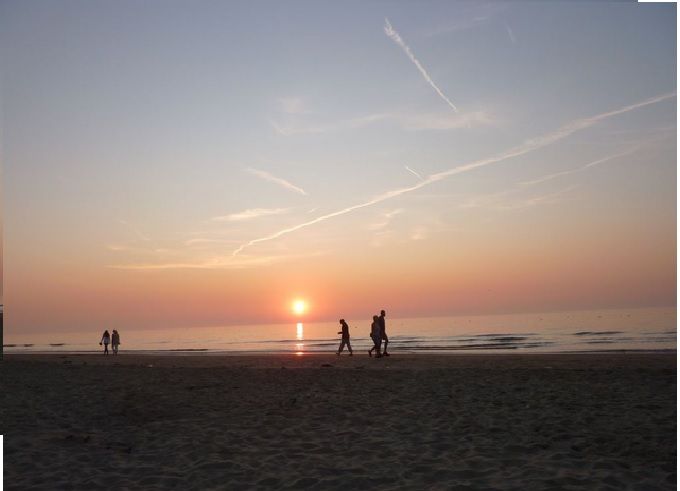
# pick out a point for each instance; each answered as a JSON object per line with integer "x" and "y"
{"x": 413, "y": 172}
{"x": 394, "y": 35}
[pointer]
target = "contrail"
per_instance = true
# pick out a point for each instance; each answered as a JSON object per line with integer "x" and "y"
{"x": 281, "y": 182}
{"x": 413, "y": 172}
{"x": 140, "y": 235}
{"x": 579, "y": 169}
{"x": 522, "y": 149}
{"x": 394, "y": 35}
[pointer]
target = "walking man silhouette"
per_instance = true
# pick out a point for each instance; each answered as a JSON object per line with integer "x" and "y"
{"x": 375, "y": 336}
{"x": 383, "y": 335}
{"x": 345, "y": 338}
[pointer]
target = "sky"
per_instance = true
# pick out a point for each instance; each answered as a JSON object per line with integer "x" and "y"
{"x": 179, "y": 164}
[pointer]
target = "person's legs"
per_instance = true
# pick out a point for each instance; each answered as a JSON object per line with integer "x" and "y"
{"x": 340, "y": 348}
{"x": 349, "y": 347}
{"x": 106, "y": 348}
{"x": 384, "y": 336}
{"x": 377, "y": 348}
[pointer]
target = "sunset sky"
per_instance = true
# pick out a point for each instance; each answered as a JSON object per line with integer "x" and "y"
{"x": 206, "y": 163}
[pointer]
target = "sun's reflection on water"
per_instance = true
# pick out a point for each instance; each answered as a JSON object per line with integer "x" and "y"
{"x": 300, "y": 336}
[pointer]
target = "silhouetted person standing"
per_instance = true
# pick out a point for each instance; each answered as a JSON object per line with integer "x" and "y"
{"x": 106, "y": 339}
{"x": 345, "y": 338}
{"x": 375, "y": 336}
{"x": 115, "y": 341}
{"x": 383, "y": 335}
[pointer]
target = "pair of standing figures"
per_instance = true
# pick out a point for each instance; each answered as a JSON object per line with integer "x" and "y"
{"x": 114, "y": 339}
{"x": 377, "y": 334}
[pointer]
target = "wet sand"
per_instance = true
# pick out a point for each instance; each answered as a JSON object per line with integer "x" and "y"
{"x": 591, "y": 421}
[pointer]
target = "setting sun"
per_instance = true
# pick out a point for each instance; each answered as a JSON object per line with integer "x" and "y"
{"x": 299, "y": 307}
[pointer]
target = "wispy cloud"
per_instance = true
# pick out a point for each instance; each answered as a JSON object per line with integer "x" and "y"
{"x": 459, "y": 26}
{"x": 204, "y": 240}
{"x": 506, "y": 200}
{"x": 522, "y": 149}
{"x": 437, "y": 121}
{"x": 122, "y": 247}
{"x": 511, "y": 34}
{"x": 277, "y": 180}
{"x": 579, "y": 169}
{"x": 134, "y": 230}
{"x": 394, "y": 35}
{"x": 293, "y": 105}
{"x": 139, "y": 250}
{"x": 550, "y": 198}
{"x": 250, "y": 213}
{"x": 217, "y": 262}
{"x": 419, "y": 233}
{"x": 386, "y": 219}
{"x": 484, "y": 14}
{"x": 291, "y": 129}
{"x": 406, "y": 120}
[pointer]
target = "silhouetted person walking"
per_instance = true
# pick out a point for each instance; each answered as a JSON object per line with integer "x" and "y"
{"x": 345, "y": 338}
{"x": 105, "y": 341}
{"x": 375, "y": 336}
{"x": 115, "y": 341}
{"x": 383, "y": 335}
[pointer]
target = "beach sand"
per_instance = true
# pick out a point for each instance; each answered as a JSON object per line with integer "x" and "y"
{"x": 563, "y": 421}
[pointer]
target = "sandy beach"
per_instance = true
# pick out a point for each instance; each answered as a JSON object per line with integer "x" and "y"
{"x": 595, "y": 421}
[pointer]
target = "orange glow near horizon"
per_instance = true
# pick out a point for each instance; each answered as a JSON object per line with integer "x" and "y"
{"x": 166, "y": 211}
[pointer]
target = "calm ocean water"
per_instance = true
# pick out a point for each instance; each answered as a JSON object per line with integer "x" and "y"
{"x": 597, "y": 330}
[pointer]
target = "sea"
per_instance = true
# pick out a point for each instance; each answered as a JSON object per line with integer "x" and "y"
{"x": 650, "y": 329}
